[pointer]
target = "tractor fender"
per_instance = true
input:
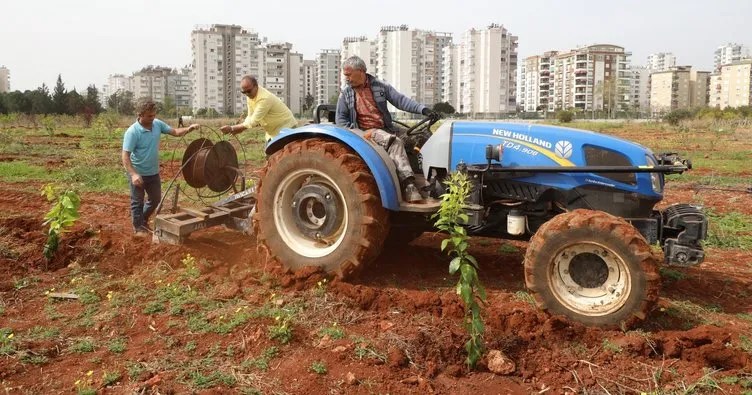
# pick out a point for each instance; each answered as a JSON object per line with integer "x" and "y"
{"x": 377, "y": 160}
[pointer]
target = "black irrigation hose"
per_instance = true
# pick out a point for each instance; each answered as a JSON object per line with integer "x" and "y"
{"x": 199, "y": 196}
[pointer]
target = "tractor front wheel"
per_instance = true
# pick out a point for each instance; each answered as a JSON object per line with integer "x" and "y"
{"x": 592, "y": 267}
{"x": 318, "y": 205}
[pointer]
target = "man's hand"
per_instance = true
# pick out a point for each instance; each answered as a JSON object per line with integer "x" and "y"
{"x": 226, "y": 129}
{"x": 431, "y": 114}
{"x": 194, "y": 127}
{"x": 137, "y": 180}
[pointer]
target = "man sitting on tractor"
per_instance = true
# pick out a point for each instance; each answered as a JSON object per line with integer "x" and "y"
{"x": 363, "y": 105}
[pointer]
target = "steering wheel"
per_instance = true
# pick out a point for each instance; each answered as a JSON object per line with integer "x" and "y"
{"x": 419, "y": 128}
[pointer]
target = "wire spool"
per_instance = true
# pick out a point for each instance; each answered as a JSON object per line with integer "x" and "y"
{"x": 206, "y": 164}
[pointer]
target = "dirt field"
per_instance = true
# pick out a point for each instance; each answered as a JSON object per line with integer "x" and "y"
{"x": 212, "y": 316}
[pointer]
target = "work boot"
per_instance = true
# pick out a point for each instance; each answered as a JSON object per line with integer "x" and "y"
{"x": 412, "y": 195}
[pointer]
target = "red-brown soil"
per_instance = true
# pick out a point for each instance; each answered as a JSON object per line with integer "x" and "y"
{"x": 404, "y": 305}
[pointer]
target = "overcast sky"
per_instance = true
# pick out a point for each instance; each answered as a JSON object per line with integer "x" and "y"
{"x": 86, "y": 40}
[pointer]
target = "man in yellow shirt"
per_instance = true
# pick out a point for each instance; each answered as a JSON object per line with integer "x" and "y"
{"x": 264, "y": 110}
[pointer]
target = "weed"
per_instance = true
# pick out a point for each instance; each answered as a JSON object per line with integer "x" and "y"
{"x": 87, "y": 297}
{"x": 34, "y": 359}
{"x": 364, "y": 349}
{"x": 134, "y": 369}
{"x": 281, "y": 331}
{"x": 153, "y": 307}
{"x": 190, "y": 346}
{"x": 318, "y": 367}
{"x": 745, "y": 316}
{"x": 262, "y": 362}
{"x": 199, "y": 380}
{"x": 191, "y": 269}
{"x": 52, "y": 313}
{"x": 506, "y": 249}
{"x": 40, "y": 332}
{"x": 745, "y": 343}
{"x": 729, "y": 231}
{"x": 731, "y": 380}
{"x": 7, "y": 341}
{"x": 117, "y": 345}
{"x": 82, "y": 346}
{"x": 24, "y": 282}
{"x": 334, "y": 332}
{"x": 320, "y": 289}
{"x": 524, "y": 296}
{"x": 706, "y": 383}
{"x": 608, "y": 345}
{"x": 671, "y": 274}
{"x": 110, "y": 378}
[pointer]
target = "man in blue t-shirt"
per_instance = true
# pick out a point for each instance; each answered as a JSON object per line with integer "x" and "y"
{"x": 141, "y": 161}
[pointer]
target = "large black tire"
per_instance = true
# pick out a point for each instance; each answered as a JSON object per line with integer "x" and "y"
{"x": 354, "y": 226}
{"x": 593, "y": 268}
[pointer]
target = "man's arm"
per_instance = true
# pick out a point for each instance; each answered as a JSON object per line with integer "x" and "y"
{"x": 403, "y": 102}
{"x": 135, "y": 177}
{"x": 251, "y": 120}
{"x": 342, "y": 115}
{"x": 183, "y": 131}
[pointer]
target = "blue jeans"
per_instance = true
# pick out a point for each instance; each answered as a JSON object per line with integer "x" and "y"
{"x": 140, "y": 211}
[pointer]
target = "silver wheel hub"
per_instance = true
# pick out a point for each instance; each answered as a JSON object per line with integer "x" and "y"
{"x": 590, "y": 279}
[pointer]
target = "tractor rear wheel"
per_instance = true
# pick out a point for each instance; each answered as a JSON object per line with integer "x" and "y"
{"x": 592, "y": 267}
{"x": 318, "y": 205}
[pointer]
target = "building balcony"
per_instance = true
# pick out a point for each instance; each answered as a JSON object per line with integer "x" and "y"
{"x": 580, "y": 72}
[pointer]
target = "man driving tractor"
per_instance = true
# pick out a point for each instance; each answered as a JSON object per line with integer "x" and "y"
{"x": 363, "y": 105}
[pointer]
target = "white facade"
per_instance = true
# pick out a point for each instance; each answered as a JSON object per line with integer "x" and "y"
{"x": 309, "y": 80}
{"x": 361, "y": 47}
{"x": 222, "y": 55}
{"x": 639, "y": 91}
{"x": 179, "y": 87}
{"x": 451, "y": 75}
{"x": 729, "y": 53}
{"x": 487, "y": 71}
{"x": 283, "y": 77}
{"x": 115, "y": 83}
{"x": 733, "y": 87}
{"x": 717, "y": 97}
{"x": 661, "y": 61}
{"x": 538, "y": 80}
{"x": 412, "y": 62}
{"x": 329, "y": 75}
{"x": 4, "y": 79}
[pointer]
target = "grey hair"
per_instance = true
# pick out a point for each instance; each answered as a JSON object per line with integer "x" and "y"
{"x": 145, "y": 104}
{"x": 354, "y": 62}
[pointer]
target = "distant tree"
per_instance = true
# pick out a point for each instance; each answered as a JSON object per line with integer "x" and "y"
{"x": 444, "y": 108}
{"x": 74, "y": 103}
{"x": 41, "y": 102}
{"x": 212, "y": 113}
{"x": 334, "y": 98}
{"x": 3, "y": 106}
{"x": 168, "y": 107}
{"x": 201, "y": 112}
{"x": 565, "y": 116}
{"x": 18, "y": 102}
{"x": 59, "y": 96}
{"x": 308, "y": 102}
{"x": 126, "y": 103}
{"x": 92, "y": 99}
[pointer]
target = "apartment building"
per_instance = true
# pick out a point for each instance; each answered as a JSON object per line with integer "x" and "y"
{"x": 538, "y": 82}
{"x": 4, "y": 79}
{"x": 282, "y": 75}
{"x": 639, "y": 92}
{"x": 179, "y": 87}
{"x": 729, "y": 53}
{"x": 486, "y": 64}
{"x": 596, "y": 77}
{"x": 361, "y": 47}
{"x": 661, "y": 61}
{"x": 411, "y": 61}
{"x": 450, "y": 80}
{"x": 715, "y": 90}
{"x": 678, "y": 88}
{"x": 222, "y": 55}
{"x": 151, "y": 82}
{"x": 115, "y": 83}
{"x": 733, "y": 86}
{"x": 309, "y": 80}
{"x": 328, "y": 75}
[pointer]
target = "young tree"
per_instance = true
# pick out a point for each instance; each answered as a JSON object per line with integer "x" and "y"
{"x": 74, "y": 103}
{"x": 41, "y": 102}
{"x": 92, "y": 99}
{"x": 18, "y": 102}
{"x": 59, "y": 95}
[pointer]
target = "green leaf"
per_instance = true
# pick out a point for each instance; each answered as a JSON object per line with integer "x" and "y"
{"x": 472, "y": 260}
{"x": 464, "y": 218}
{"x": 444, "y": 244}
{"x": 466, "y": 294}
{"x": 454, "y": 265}
{"x": 460, "y": 230}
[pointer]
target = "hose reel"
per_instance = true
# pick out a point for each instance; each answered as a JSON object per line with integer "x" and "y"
{"x": 206, "y": 164}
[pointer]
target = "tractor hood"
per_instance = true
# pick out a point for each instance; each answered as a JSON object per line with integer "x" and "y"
{"x": 527, "y": 145}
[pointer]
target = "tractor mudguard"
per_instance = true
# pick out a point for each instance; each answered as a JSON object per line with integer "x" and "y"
{"x": 378, "y": 160}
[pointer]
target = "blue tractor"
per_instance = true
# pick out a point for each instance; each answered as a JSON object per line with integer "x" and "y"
{"x": 328, "y": 197}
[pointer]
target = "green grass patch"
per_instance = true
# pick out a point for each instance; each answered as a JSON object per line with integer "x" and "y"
{"x": 334, "y": 332}
{"x": 610, "y": 346}
{"x": 117, "y": 345}
{"x": 82, "y": 346}
{"x": 709, "y": 180}
{"x": 18, "y": 171}
{"x": 318, "y": 367}
{"x": 40, "y": 332}
{"x": 671, "y": 274}
{"x": 524, "y": 296}
{"x": 262, "y": 361}
{"x": 731, "y": 230}
{"x": 507, "y": 249}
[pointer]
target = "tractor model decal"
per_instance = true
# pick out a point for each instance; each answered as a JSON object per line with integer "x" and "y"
{"x": 528, "y": 148}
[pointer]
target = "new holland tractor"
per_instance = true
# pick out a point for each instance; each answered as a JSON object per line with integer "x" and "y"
{"x": 329, "y": 197}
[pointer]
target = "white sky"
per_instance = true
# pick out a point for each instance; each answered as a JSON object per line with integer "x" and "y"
{"x": 86, "y": 40}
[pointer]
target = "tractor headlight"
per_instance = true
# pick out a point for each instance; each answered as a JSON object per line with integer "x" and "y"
{"x": 655, "y": 178}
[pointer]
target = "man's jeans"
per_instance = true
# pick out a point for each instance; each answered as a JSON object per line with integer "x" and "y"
{"x": 140, "y": 211}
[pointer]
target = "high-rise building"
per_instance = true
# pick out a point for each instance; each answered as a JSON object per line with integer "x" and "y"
{"x": 411, "y": 61}
{"x": 450, "y": 86}
{"x": 661, "y": 61}
{"x": 639, "y": 93}
{"x": 487, "y": 66}
{"x": 729, "y": 53}
{"x": 179, "y": 87}
{"x": 733, "y": 86}
{"x": 151, "y": 82}
{"x": 222, "y": 55}
{"x": 328, "y": 76}
{"x": 361, "y": 47}
{"x": 596, "y": 77}
{"x": 4, "y": 79}
{"x": 538, "y": 82}
{"x": 678, "y": 88}
{"x": 309, "y": 81}
{"x": 283, "y": 77}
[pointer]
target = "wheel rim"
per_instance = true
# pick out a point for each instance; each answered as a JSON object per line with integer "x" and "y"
{"x": 310, "y": 213}
{"x": 590, "y": 279}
